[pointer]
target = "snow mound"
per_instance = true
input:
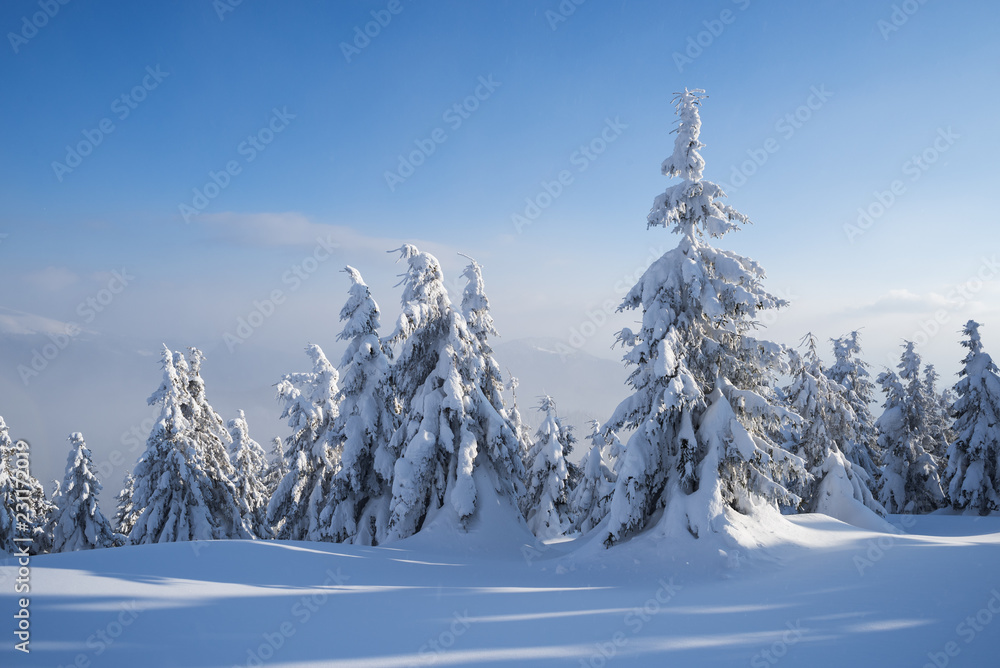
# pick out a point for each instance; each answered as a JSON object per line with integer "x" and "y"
{"x": 497, "y": 529}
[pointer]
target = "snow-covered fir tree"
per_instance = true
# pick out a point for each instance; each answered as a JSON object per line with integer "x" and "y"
{"x": 250, "y": 465}
{"x": 358, "y": 508}
{"x": 452, "y": 441}
{"x": 703, "y": 406}
{"x": 851, "y": 372}
{"x": 546, "y": 501}
{"x": 40, "y": 510}
{"x": 310, "y": 408}
{"x": 8, "y": 492}
{"x": 211, "y": 440}
{"x": 974, "y": 456}
{"x": 77, "y": 522}
{"x": 909, "y": 482}
{"x": 125, "y": 512}
{"x": 277, "y": 467}
{"x": 591, "y": 497}
{"x": 827, "y": 428}
{"x": 174, "y": 497}
{"x": 54, "y": 500}
{"x": 476, "y": 309}
{"x": 938, "y": 416}
{"x": 520, "y": 429}
{"x": 26, "y": 510}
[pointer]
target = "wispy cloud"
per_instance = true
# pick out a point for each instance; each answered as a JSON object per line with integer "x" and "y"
{"x": 287, "y": 229}
{"x": 903, "y": 301}
{"x": 52, "y": 279}
{"x": 28, "y": 324}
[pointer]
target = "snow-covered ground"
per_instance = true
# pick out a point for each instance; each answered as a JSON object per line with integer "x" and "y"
{"x": 816, "y": 593}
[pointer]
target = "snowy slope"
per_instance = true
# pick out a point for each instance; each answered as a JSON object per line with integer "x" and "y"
{"x": 815, "y": 593}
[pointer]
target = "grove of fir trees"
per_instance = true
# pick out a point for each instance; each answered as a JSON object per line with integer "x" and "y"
{"x": 909, "y": 480}
{"x": 703, "y": 407}
{"x": 827, "y": 428}
{"x": 175, "y": 497}
{"x": 453, "y": 445}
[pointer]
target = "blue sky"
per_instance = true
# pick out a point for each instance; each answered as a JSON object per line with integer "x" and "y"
{"x": 887, "y": 95}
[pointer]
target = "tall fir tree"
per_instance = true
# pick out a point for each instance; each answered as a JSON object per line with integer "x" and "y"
{"x": 452, "y": 441}
{"x": 358, "y": 508}
{"x": 310, "y": 408}
{"x": 851, "y": 372}
{"x": 827, "y": 429}
{"x": 974, "y": 456}
{"x": 592, "y": 495}
{"x": 250, "y": 465}
{"x": 546, "y": 501}
{"x": 909, "y": 481}
{"x": 703, "y": 405}
{"x": 78, "y": 523}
